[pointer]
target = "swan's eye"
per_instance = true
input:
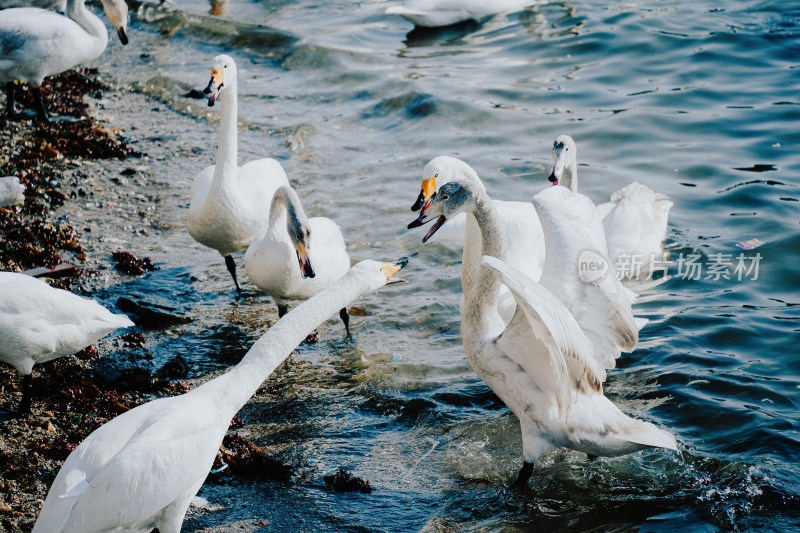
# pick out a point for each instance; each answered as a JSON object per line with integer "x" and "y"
{"x": 445, "y": 197}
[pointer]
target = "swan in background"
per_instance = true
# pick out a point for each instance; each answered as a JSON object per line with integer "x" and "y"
{"x": 36, "y": 43}
{"x": 227, "y": 210}
{"x": 292, "y": 238}
{"x": 141, "y": 469}
{"x": 432, "y": 13}
{"x": 634, "y": 221}
{"x": 12, "y": 192}
{"x": 519, "y": 222}
{"x": 543, "y": 365}
{"x": 58, "y": 5}
{"x": 39, "y": 323}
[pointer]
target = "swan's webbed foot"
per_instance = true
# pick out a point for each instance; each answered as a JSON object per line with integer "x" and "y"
{"x": 346, "y": 319}
{"x": 232, "y": 269}
{"x": 524, "y": 473}
{"x": 27, "y": 395}
{"x": 282, "y": 310}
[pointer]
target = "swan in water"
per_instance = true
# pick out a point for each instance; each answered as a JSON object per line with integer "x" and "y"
{"x": 519, "y": 221}
{"x": 433, "y": 13}
{"x": 140, "y": 470}
{"x": 39, "y": 323}
{"x": 543, "y": 365}
{"x": 36, "y": 43}
{"x": 316, "y": 244}
{"x": 227, "y": 210}
{"x": 634, "y": 221}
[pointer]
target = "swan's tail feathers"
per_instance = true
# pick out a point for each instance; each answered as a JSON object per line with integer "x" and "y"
{"x": 640, "y": 322}
{"x": 646, "y": 434}
{"x": 403, "y": 11}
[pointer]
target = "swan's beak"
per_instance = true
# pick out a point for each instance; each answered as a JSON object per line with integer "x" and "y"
{"x": 123, "y": 37}
{"x": 305, "y": 265}
{"x": 552, "y": 177}
{"x": 423, "y": 219}
{"x": 390, "y": 269}
{"x": 214, "y": 86}
{"x": 426, "y": 194}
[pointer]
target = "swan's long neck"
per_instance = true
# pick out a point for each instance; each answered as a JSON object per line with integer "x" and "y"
{"x": 235, "y": 387}
{"x": 285, "y": 210}
{"x": 573, "y": 176}
{"x": 226, "y": 166}
{"x": 480, "y": 294}
{"x": 90, "y": 22}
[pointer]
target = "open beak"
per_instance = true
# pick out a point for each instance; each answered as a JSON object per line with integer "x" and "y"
{"x": 426, "y": 194}
{"x": 214, "y": 87}
{"x": 423, "y": 219}
{"x": 390, "y": 269}
{"x": 305, "y": 265}
{"x": 123, "y": 37}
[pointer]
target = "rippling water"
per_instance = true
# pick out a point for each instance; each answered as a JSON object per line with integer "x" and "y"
{"x": 699, "y": 100}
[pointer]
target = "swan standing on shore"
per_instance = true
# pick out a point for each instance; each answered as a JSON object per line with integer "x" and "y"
{"x": 39, "y": 323}
{"x": 36, "y": 43}
{"x": 432, "y": 13}
{"x": 519, "y": 222}
{"x": 543, "y": 365}
{"x": 316, "y": 244}
{"x": 635, "y": 220}
{"x": 142, "y": 469}
{"x": 227, "y": 210}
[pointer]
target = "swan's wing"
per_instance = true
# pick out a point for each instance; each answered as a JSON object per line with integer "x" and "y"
{"x": 569, "y": 364}
{"x": 575, "y": 240}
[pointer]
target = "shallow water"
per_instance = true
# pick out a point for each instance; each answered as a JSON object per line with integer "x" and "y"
{"x": 697, "y": 100}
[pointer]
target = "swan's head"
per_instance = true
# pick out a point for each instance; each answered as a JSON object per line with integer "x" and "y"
{"x": 441, "y": 169}
{"x": 223, "y": 71}
{"x": 298, "y": 226}
{"x": 117, "y": 13}
{"x": 451, "y": 199}
{"x": 374, "y": 274}
{"x": 564, "y": 156}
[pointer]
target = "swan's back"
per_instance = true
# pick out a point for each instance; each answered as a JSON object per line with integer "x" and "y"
{"x": 36, "y": 43}
{"x": 636, "y": 223}
{"x": 153, "y": 447}
{"x": 434, "y": 13}
{"x": 39, "y": 323}
{"x": 228, "y": 220}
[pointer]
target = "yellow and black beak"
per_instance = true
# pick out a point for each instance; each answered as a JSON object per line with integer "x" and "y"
{"x": 305, "y": 265}
{"x": 390, "y": 269}
{"x": 123, "y": 37}
{"x": 426, "y": 194}
{"x": 214, "y": 86}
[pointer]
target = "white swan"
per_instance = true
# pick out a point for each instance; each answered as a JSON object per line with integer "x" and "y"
{"x": 39, "y": 323}
{"x": 542, "y": 365}
{"x": 432, "y": 13}
{"x": 316, "y": 244}
{"x": 36, "y": 43}
{"x": 12, "y": 192}
{"x": 520, "y": 223}
{"x": 227, "y": 210}
{"x": 141, "y": 469}
{"x": 635, "y": 220}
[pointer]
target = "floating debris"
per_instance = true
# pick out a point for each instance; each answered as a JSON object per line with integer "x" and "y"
{"x": 749, "y": 244}
{"x": 344, "y": 481}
